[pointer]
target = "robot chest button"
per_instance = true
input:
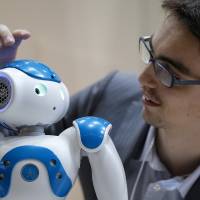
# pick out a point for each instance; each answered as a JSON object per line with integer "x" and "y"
{"x": 29, "y": 172}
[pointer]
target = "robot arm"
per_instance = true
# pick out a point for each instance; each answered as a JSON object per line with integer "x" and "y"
{"x": 107, "y": 170}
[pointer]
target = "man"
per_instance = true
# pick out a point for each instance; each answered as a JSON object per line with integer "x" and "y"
{"x": 161, "y": 155}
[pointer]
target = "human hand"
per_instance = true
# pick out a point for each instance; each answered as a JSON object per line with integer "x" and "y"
{"x": 9, "y": 42}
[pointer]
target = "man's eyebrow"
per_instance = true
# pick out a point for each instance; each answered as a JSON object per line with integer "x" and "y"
{"x": 176, "y": 64}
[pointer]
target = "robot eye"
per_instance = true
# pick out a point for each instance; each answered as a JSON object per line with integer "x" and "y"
{"x": 40, "y": 89}
{"x": 37, "y": 91}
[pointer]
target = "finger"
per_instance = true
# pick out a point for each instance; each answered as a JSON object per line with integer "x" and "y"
{"x": 21, "y": 34}
{"x": 6, "y": 36}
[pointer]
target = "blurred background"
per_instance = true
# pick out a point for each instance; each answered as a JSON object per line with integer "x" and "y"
{"x": 83, "y": 40}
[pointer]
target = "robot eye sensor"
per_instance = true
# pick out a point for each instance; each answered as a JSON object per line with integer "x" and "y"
{"x": 40, "y": 89}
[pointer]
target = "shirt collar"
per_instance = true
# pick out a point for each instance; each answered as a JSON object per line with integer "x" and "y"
{"x": 150, "y": 155}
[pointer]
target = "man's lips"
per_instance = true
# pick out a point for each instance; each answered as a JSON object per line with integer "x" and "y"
{"x": 150, "y": 100}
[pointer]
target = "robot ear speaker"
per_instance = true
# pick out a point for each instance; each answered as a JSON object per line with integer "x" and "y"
{"x": 5, "y": 91}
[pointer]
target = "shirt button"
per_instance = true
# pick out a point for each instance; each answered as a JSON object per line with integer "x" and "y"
{"x": 156, "y": 187}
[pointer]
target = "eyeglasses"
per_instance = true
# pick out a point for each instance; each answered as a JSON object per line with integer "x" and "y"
{"x": 162, "y": 71}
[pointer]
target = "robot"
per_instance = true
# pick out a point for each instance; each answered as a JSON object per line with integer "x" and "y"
{"x": 44, "y": 167}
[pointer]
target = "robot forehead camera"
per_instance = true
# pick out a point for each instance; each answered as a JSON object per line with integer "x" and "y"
{"x": 31, "y": 94}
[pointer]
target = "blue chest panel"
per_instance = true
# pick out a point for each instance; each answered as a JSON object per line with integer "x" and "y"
{"x": 92, "y": 131}
{"x": 59, "y": 180}
{"x": 34, "y": 69}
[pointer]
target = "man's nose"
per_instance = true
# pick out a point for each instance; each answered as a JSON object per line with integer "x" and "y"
{"x": 148, "y": 77}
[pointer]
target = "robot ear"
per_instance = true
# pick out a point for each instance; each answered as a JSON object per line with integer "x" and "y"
{"x": 5, "y": 91}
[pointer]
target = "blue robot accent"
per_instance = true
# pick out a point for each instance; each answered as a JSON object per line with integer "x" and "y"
{"x": 59, "y": 180}
{"x": 34, "y": 69}
{"x": 92, "y": 131}
{"x": 30, "y": 172}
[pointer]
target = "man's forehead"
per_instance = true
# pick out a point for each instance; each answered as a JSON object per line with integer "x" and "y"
{"x": 170, "y": 29}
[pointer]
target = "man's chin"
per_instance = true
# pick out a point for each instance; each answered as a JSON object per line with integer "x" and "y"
{"x": 152, "y": 118}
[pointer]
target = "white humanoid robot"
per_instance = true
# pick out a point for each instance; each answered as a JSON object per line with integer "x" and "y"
{"x": 37, "y": 166}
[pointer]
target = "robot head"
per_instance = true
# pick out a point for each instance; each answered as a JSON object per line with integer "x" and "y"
{"x": 31, "y": 94}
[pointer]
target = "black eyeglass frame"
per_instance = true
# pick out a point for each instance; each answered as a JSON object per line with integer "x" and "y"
{"x": 174, "y": 81}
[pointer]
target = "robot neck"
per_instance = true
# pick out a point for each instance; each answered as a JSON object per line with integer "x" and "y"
{"x": 31, "y": 131}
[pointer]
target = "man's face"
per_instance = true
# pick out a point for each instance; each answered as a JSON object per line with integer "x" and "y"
{"x": 177, "y": 107}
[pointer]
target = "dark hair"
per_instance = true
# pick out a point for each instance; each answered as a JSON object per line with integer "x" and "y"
{"x": 187, "y": 11}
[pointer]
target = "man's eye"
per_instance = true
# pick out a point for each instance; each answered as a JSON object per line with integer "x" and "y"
{"x": 166, "y": 66}
{"x": 177, "y": 76}
{"x": 171, "y": 69}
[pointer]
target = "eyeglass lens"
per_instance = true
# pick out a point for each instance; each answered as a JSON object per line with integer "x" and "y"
{"x": 161, "y": 72}
{"x": 144, "y": 53}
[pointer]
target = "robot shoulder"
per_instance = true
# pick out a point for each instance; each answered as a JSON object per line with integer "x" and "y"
{"x": 92, "y": 132}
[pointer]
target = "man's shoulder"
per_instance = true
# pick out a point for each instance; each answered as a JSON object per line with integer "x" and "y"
{"x": 124, "y": 85}
{"x": 124, "y": 79}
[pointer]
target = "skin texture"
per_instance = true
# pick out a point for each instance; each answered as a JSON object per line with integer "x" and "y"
{"x": 9, "y": 42}
{"x": 178, "y": 115}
